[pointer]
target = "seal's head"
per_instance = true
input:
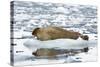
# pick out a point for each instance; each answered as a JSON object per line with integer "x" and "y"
{"x": 35, "y": 31}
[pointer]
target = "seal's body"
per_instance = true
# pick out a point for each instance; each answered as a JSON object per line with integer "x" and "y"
{"x": 51, "y": 33}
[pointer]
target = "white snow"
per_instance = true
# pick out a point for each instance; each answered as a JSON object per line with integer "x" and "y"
{"x": 62, "y": 10}
{"x": 20, "y": 17}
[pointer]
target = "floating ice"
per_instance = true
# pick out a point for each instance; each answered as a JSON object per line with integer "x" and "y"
{"x": 58, "y": 43}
